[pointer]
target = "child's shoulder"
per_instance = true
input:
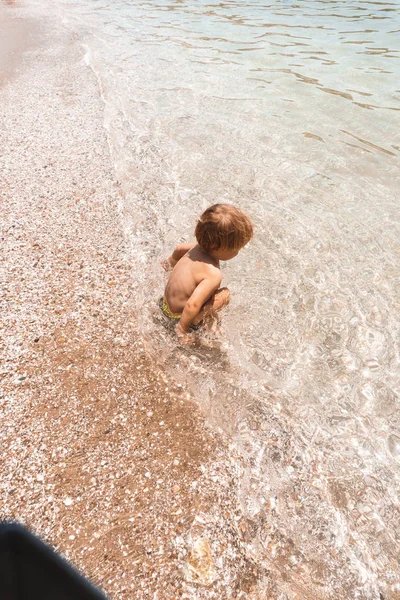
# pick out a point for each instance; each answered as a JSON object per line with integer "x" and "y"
{"x": 211, "y": 271}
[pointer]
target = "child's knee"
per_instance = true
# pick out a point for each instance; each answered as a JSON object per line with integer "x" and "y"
{"x": 225, "y": 293}
{"x": 222, "y": 297}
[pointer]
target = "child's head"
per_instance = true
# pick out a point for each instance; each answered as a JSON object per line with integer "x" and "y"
{"x": 222, "y": 228}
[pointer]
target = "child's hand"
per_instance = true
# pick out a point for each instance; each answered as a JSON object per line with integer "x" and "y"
{"x": 187, "y": 339}
{"x": 166, "y": 264}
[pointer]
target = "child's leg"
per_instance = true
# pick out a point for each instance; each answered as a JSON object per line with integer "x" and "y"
{"x": 213, "y": 305}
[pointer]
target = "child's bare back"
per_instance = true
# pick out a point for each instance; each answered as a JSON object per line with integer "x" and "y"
{"x": 193, "y": 290}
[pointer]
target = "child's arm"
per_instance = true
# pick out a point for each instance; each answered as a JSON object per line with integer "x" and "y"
{"x": 201, "y": 294}
{"x": 177, "y": 254}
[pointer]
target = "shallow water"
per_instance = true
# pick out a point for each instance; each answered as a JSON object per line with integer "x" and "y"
{"x": 290, "y": 111}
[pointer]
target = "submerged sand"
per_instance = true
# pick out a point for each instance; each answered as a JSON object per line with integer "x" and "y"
{"x": 101, "y": 456}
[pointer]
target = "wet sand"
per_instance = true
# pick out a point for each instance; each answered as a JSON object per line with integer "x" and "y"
{"x": 16, "y": 34}
{"x": 101, "y": 456}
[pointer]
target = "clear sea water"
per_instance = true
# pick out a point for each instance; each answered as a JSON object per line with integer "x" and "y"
{"x": 291, "y": 111}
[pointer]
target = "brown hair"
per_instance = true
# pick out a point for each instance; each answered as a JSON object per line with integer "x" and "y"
{"x": 223, "y": 227}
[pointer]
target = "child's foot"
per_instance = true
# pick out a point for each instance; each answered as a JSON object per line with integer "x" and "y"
{"x": 216, "y": 328}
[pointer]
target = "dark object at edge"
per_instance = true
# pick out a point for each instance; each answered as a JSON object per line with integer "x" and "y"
{"x": 30, "y": 570}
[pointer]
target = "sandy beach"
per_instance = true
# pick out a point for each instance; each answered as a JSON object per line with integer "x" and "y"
{"x": 101, "y": 456}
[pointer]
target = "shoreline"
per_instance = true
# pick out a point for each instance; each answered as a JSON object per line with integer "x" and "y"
{"x": 102, "y": 457}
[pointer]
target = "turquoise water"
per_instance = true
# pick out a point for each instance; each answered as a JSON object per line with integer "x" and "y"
{"x": 292, "y": 112}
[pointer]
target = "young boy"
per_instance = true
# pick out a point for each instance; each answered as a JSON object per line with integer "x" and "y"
{"x": 193, "y": 291}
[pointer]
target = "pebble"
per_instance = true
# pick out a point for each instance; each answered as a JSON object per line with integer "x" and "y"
{"x": 200, "y": 566}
